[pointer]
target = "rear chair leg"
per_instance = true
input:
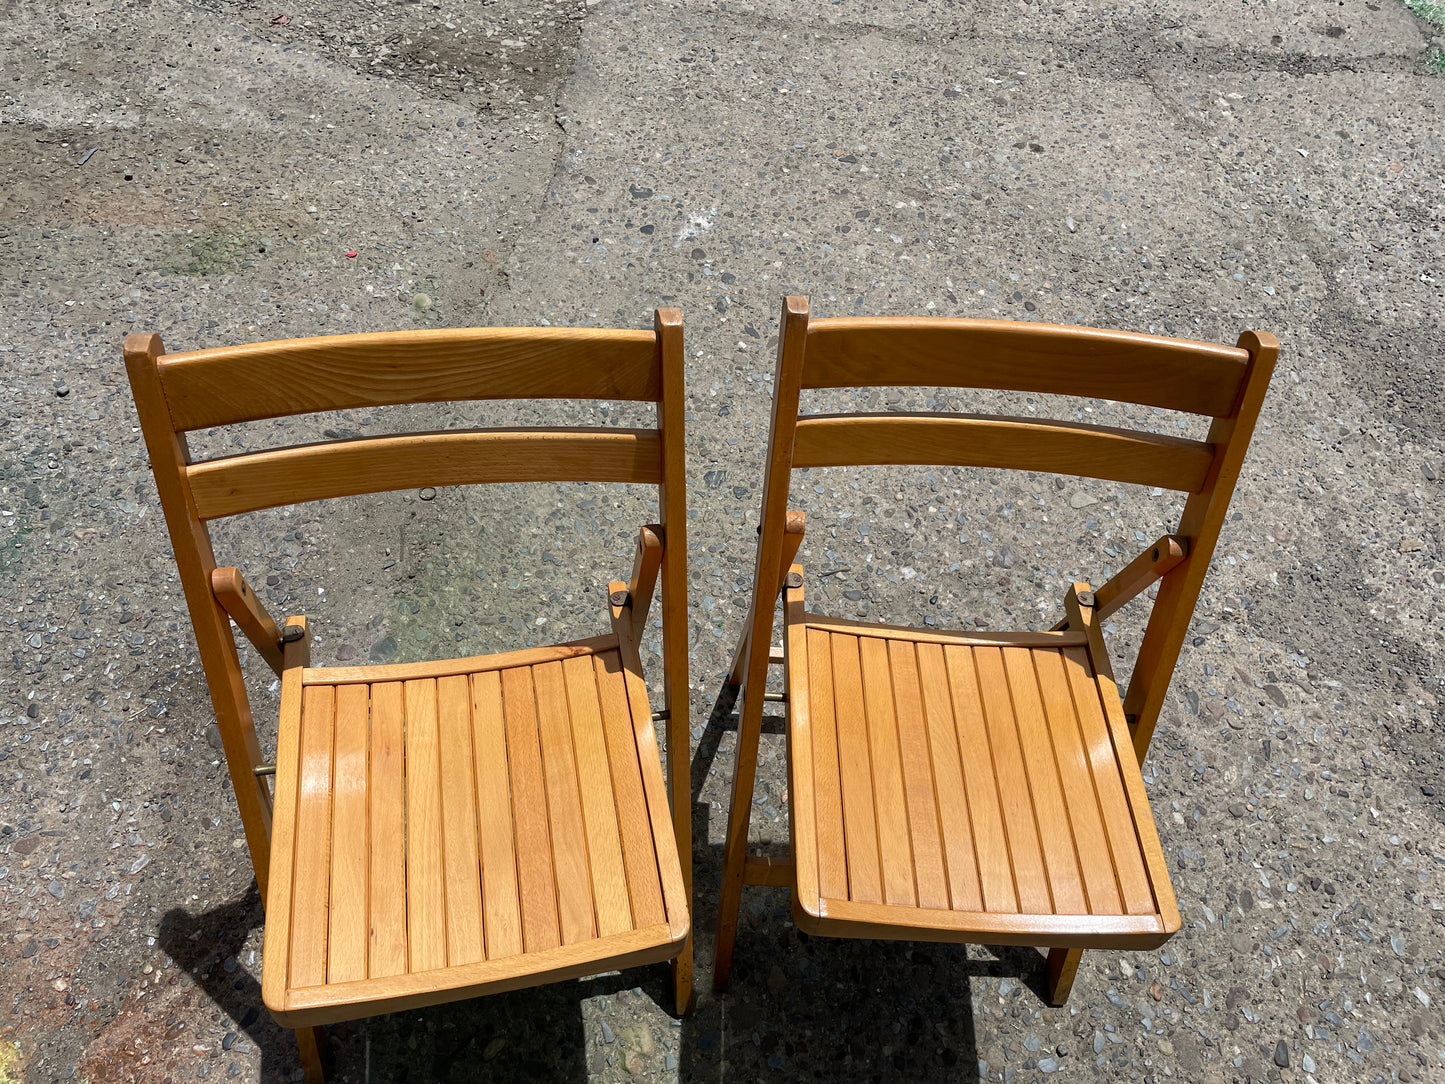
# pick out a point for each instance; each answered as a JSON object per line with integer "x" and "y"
{"x": 308, "y": 1042}
{"x": 1063, "y": 966}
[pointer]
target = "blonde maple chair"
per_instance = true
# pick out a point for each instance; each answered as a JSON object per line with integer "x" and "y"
{"x": 445, "y": 829}
{"x": 981, "y": 787}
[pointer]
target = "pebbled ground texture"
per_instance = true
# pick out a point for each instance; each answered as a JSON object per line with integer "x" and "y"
{"x": 206, "y": 169}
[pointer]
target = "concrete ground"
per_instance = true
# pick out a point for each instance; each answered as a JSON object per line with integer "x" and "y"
{"x": 204, "y": 169}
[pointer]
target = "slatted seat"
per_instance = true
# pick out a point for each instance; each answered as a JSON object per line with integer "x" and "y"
{"x": 979, "y": 786}
{"x": 451, "y": 828}
{"x": 460, "y": 828}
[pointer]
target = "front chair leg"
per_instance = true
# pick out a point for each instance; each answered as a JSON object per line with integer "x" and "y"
{"x": 1063, "y": 966}
{"x": 308, "y": 1042}
{"x": 682, "y": 989}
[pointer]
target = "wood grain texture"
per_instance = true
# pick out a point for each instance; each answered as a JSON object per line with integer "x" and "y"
{"x": 475, "y": 664}
{"x": 1005, "y": 776}
{"x": 958, "y": 440}
{"x": 983, "y": 785}
{"x": 426, "y": 899}
{"x": 599, "y": 804}
{"x": 638, "y": 848}
{"x": 439, "y": 824}
{"x": 344, "y": 468}
{"x": 564, "y": 806}
{"x": 240, "y": 602}
{"x": 350, "y": 838}
{"x": 436, "y": 816}
{"x": 388, "y": 932}
{"x": 501, "y": 905}
{"x": 855, "y": 352}
{"x": 460, "y": 860}
{"x": 311, "y": 900}
{"x": 335, "y": 372}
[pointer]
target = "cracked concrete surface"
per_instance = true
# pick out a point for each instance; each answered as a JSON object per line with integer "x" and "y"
{"x": 1190, "y": 171}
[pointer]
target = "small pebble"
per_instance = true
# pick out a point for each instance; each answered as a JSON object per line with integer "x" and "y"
{"x": 1281, "y": 1054}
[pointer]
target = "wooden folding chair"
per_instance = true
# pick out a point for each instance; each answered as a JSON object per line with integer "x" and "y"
{"x": 445, "y": 829}
{"x": 983, "y": 786}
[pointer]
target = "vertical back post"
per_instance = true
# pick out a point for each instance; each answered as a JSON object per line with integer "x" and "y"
{"x": 195, "y": 561}
{"x": 787, "y": 383}
{"x": 1201, "y": 522}
{"x": 667, "y": 323}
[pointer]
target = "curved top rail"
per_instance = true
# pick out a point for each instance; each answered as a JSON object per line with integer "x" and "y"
{"x": 224, "y": 386}
{"x": 859, "y": 352}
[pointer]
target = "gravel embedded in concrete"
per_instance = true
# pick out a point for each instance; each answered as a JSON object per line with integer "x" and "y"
{"x": 261, "y": 173}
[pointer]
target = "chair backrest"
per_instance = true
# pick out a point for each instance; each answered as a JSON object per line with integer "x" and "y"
{"x": 178, "y": 393}
{"x": 1224, "y": 383}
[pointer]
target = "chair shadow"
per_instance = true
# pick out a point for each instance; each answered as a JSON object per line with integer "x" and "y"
{"x": 532, "y": 1034}
{"x": 201, "y": 943}
{"x": 826, "y": 1007}
{"x": 797, "y": 1005}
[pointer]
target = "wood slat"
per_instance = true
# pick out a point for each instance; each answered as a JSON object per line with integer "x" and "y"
{"x": 337, "y": 372}
{"x": 949, "y": 790}
{"x": 854, "y": 352}
{"x": 848, "y": 918}
{"x": 340, "y": 468}
{"x": 860, "y": 827}
{"x": 479, "y": 664}
{"x": 960, "y": 440}
{"x": 799, "y": 870}
{"x": 643, "y": 887}
{"x": 1051, "y": 815}
{"x": 459, "y": 822}
{"x": 387, "y": 795}
{"x": 1108, "y": 785}
{"x": 654, "y": 787}
{"x": 502, "y": 915}
{"x": 889, "y": 804}
{"x": 347, "y": 1001}
{"x": 995, "y": 869}
{"x": 276, "y": 980}
{"x": 930, "y": 881}
{"x": 599, "y": 807}
{"x": 310, "y": 897}
{"x": 1096, "y": 864}
{"x": 827, "y": 789}
{"x": 347, "y": 939}
{"x": 426, "y": 917}
{"x": 540, "y": 929}
{"x": 1062, "y": 638}
{"x": 564, "y": 805}
{"x": 1030, "y": 881}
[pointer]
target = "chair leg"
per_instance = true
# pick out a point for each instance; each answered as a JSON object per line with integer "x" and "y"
{"x": 308, "y": 1041}
{"x": 682, "y": 989}
{"x": 1063, "y": 966}
{"x": 745, "y": 768}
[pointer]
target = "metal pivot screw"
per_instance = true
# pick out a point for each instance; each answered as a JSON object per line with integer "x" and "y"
{"x": 618, "y": 598}
{"x": 291, "y": 633}
{"x": 1086, "y": 598}
{"x": 793, "y": 580}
